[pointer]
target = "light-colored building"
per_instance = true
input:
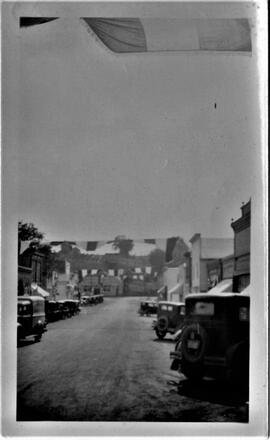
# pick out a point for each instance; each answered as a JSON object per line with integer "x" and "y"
{"x": 203, "y": 251}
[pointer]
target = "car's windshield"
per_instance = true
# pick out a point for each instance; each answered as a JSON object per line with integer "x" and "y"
{"x": 24, "y": 309}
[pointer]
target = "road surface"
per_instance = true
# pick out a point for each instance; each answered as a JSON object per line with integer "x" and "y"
{"x": 106, "y": 364}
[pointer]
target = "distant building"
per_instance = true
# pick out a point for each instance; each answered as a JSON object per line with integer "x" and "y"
{"x": 241, "y": 228}
{"x": 31, "y": 269}
{"x": 111, "y": 284}
{"x": 203, "y": 252}
{"x": 64, "y": 283}
{"x": 219, "y": 270}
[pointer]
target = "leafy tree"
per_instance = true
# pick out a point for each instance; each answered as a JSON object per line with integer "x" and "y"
{"x": 29, "y": 232}
{"x": 157, "y": 260}
{"x": 123, "y": 244}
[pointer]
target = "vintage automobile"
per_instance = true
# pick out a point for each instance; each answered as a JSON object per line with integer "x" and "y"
{"x": 147, "y": 307}
{"x": 71, "y": 307}
{"x": 31, "y": 320}
{"x": 63, "y": 309}
{"x": 85, "y": 300}
{"x": 214, "y": 341}
{"x": 53, "y": 311}
{"x": 170, "y": 317}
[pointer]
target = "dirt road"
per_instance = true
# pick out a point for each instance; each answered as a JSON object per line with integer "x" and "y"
{"x": 107, "y": 364}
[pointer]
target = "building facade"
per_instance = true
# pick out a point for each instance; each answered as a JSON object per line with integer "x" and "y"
{"x": 31, "y": 269}
{"x": 241, "y": 228}
{"x": 204, "y": 252}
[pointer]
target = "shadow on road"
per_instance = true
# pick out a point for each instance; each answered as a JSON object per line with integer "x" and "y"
{"x": 212, "y": 391}
{"x": 26, "y": 342}
{"x": 171, "y": 341}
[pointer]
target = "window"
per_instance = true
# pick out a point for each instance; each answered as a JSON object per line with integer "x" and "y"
{"x": 163, "y": 307}
{"x": 170, "y": 308}
{"x": 182, "y": 311}
{"x": 203, "y": 308}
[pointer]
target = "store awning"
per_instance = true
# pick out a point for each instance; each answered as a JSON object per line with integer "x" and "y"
{"x": 38, "y": 290}
{"x": 246, "y": 291}
{"x": 223, "y": 286}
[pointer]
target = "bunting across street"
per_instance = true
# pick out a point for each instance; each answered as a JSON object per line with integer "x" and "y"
{"x": 135, "y": 35}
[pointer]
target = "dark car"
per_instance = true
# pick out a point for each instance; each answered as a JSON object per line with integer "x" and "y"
{"x": 63, "y": 309}
{"x": 214, "y": 341}
{"x": 170, "y": 317}
{"x": 31, "y": 320}
{"x": 147, "y": 307}
{"x": 71, "y": 306}
{"x": 53, "y": 311}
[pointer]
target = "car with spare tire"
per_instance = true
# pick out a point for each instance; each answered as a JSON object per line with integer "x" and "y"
{"x": 170, "y": 318}
{"x": 214, "y": 341}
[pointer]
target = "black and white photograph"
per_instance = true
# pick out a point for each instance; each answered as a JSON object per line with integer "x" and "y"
{"x": 134, "y": 218}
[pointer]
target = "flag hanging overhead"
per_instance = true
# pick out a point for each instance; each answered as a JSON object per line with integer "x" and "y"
{"x": 132, "y": 35}
{"x": 33, "y": 21}
{"x": 126, "y": 35}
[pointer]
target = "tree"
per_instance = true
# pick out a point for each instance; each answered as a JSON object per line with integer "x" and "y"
{"x": 29, "y": 232}
{"x": 123, "y": 244}
{"x": 180, "y": 248}
{"x": 157, "y": 260}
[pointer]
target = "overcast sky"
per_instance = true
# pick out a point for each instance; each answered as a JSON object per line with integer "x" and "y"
{"x": 144, "y": 145}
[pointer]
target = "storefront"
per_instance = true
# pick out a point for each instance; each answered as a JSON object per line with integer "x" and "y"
{"x": 24, "y": 280}
{"x": 241, "y": 227}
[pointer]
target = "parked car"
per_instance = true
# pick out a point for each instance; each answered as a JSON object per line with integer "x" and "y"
{"x": 148, "y": 307}
{"x": 214, "y": 341}
{"x": 170, "y": 317}
{"x": 85, "y": 300}
{"x": 63, "y": 309}
{"x": 71, "y": 307}
{"x": 31, "y": 319}
{"x": 53, "y": 311}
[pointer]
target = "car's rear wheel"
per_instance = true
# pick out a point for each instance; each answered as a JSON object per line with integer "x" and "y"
{"x": 237, "y": 374}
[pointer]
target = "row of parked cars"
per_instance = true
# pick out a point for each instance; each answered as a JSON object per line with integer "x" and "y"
{"x": 211, "y": 332}
{"x": 92, "y": 300}
{"x": 34, "y": 313}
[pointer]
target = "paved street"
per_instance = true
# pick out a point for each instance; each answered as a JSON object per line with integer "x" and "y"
{"x": 106, "y": 364}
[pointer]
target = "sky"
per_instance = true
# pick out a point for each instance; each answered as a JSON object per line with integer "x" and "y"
{"x": 146, "y": 145}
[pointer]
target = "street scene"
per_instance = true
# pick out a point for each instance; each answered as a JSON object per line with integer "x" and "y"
{"x": 93, "y": 346}
{"x": 134, "y": 243}
{"x": 108, "y": 364}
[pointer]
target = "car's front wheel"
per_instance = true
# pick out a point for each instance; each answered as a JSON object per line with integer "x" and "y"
{"x": 38, "y": 338}
{"x": 160, "y": 333}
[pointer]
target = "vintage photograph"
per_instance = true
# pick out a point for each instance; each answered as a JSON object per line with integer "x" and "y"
{"x": 134, "y": 202}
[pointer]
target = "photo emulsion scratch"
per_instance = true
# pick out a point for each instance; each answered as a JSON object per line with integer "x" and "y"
{"x": 133, "y": 198}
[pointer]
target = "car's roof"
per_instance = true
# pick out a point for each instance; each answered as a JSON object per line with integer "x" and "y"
{"x": 30, "y": 298}
{"x": 24, "y": 302}
{"x": 216, "y": 295}
{"x": 172, "y": 303}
